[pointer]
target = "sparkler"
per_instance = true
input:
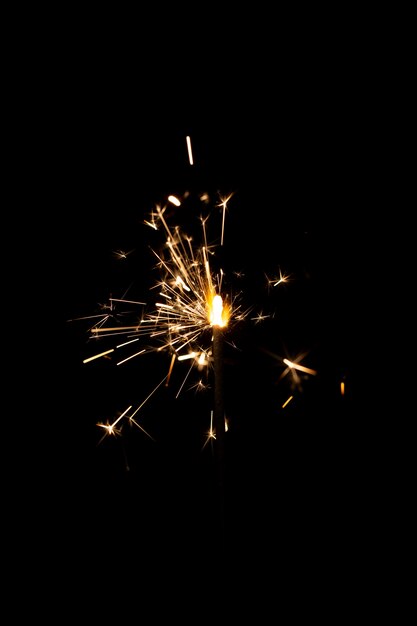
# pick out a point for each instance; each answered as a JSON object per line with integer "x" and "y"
{"x": 218, "y": 324}
{"x": 191, "y": 315}
{"x": 186, "y": 321}
{"x": 189, "y": 319}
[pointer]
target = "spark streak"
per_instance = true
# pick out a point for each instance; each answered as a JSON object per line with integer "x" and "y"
{"x": 97, "y": 356}
{"x": 190, "y": 152}
{"x": 299, "y": 367}
{"x": 286, "y": 402}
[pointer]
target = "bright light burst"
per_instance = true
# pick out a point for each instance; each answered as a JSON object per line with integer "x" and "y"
{"x": 187, "y": 293}
{"x": 191, "y": 297}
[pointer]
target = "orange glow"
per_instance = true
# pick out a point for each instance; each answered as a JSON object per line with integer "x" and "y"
{"x": 218, "y": 314}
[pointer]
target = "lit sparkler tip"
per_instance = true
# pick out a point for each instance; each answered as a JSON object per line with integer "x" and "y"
{"x": 216, "y": 311}
{"x": 219, "y": 313}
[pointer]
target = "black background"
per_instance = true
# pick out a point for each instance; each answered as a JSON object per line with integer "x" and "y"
{"x": 297, "y": 150}
{"x": 293, "y": 208}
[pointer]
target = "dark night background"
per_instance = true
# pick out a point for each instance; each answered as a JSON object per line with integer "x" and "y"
{"x": 292, "y": 209}
{"x": 301, "y": 483}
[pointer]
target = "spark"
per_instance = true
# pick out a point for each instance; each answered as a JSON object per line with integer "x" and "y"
{"x": 97, "y": 356}
{"x": 107, "y": 329}
{"x": 200, "y": 386}
{"x": 170, "y": 369}
{"x": 121, "y": 254}
{"x": 174, "y": 200}
{"x": 111, "y": 313}
{"x": 184, "y": 381}
{"x": 127, "y": 343}
{"x": 223, "y": 204}
{"x": 151, "y": 394}
{"x": 126, "y": 301}
{"x": 184, "y": 357}
{"x": 110, "y": 429}
{"x": 190, "y": 152}
{"x": 211, "y": 434}
{"x": 131, "y": 357}
{"x": 286, "y": 402}
{"x": 283, "y": 278}
{"x": 141, "y": 428}
{"x": 260, "y": 318}
{"x": 301, "y": 368}
{"x": 292, "y": 368}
